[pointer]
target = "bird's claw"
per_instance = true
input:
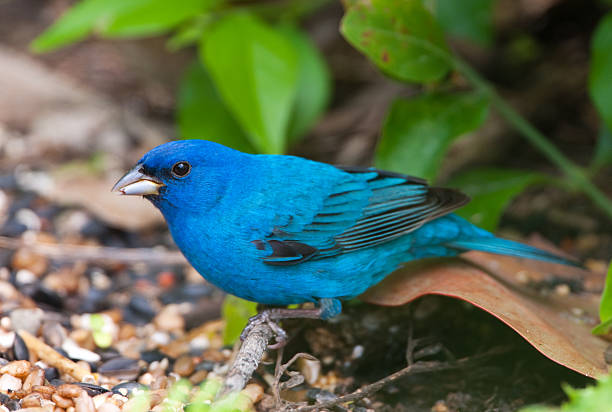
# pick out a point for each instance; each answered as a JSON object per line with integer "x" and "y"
{"x": 265, "y": 318}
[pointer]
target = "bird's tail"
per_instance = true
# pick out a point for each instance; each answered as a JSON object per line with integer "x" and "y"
{"x": 509, "y": 248}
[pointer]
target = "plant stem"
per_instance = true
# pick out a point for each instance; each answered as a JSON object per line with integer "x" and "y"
{"x": 577, "y": 175}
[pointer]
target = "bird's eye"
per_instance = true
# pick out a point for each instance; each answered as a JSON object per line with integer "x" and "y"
{"x": 181, "y": 169}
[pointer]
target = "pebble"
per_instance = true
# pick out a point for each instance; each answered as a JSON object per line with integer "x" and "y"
{"x": 198, "y": 377}
{"x": 25, "y": 277}
{"x": 74, "y": 351}
{"x": 26, "y": 259}
{"x": 27, "y": 319}
{"x": 310, "y": 369}
{"x": 7, "y": 340}
{"x": 54, "y": 333}
{"x": 29, "y": 219}
{"x": 170, "y": 319}
{"x": 9, "y": 383}
{"x": 184, "y": 366}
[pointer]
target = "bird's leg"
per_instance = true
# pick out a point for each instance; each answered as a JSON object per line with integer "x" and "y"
{"x": 328, "y": 308}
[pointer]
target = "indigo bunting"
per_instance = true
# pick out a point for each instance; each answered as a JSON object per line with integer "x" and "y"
{"x": 280, "y": 230}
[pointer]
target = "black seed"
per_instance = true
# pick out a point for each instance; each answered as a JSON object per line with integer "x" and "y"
{"x": 123, "y": 368}
{"x": 51, "y": 374}
{"x": 91, "y": 389}
{"x": 20, "y": 350}
{"x": 150, "y": 356}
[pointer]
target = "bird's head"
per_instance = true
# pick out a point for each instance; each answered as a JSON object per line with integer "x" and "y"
{"x": 181, "y": 175}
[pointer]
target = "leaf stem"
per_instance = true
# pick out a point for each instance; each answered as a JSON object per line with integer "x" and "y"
{"x": 576, "y": 174}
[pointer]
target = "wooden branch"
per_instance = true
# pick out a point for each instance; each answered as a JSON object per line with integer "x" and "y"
{"x": 250, "y": 354}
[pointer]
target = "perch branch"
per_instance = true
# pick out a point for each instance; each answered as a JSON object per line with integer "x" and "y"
{"x": 250, "y": 354}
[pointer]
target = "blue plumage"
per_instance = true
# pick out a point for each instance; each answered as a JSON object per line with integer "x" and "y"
{"x": 282, "y": 229}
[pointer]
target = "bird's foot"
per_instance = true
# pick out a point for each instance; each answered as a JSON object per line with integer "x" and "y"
{"x": 266, "y": 317}
{"x": 328, "y": 308}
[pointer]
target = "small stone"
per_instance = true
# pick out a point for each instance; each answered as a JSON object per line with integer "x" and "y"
{"x": 440, "y": 406}
{"x": 170, "y": 319}
{"x": 25, "y": 277}
{"x": 357, "y": 352}
{"x": 25, "y": 259}
{"x": 562, "y": 289}
{"x": 54, "y": 333}
{"x": 27, "y": 319}
{"x": 145, "y": 378}
{"x": 310, "y": 369}
{"x": 160, "y": 338}
{"x": 20, "y": 368}
{"x": 198, "y": 377}
{"x": 9, "y": 383}
{"x": 29, "y": 219}
{"x": 7, "y": 339}
{"x": 184, "y": 366}
{"x": 74, "y": 351}
{"x": 254, "y": 392}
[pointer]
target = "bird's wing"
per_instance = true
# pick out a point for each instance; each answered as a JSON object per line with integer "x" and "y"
{"x": 369, "y": 208}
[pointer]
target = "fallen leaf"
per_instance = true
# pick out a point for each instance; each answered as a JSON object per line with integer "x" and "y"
{"x": 548, "y": 322}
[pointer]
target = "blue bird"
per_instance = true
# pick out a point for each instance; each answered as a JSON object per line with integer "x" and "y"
{"x": 281, "y": 230}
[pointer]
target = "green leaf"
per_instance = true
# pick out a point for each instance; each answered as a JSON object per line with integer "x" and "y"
{"x": 603, "y": 150}
{"x": 152, "y": 17}
{"x": 605, "y": 306}
{"x": 491, "y": 190}
{"x": 600, "y": 76}
{"x": 314, "y": 84}
{"x": 117, "y": 18}
{"x": 236, "y": 313}
{"x": 255, "y": 70}
{"x": 400, "y": 36}
{"x": 418, "y": 131}
{"x": 597, "y": 397}
{"x": 201, "y": 114}
{"x": 469, "y": 19}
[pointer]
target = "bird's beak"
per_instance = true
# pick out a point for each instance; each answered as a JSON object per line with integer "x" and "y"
{"x": 137, "y": 183}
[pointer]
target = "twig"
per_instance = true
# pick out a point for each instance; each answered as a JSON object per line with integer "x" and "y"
{"x": 280, "y": 371}
{"x": 71, "y": 252}
{"x": 412, "y": 369}
{"x": 53, "y": 358}
{"x": 248, "y": 358}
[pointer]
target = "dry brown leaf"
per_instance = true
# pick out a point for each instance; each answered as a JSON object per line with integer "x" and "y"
{"x": 550, "y": 323}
